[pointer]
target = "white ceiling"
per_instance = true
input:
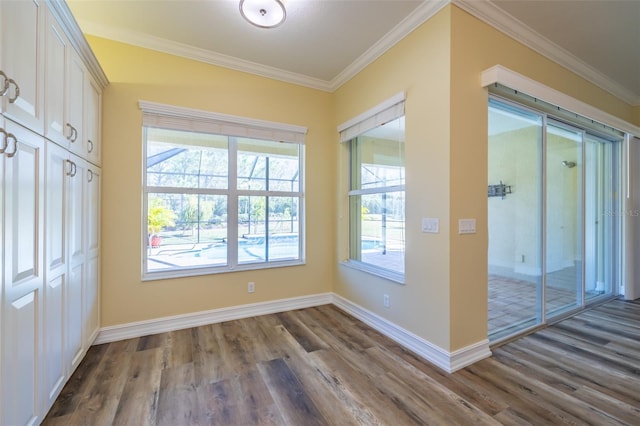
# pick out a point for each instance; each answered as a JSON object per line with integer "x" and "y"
{"x": 323, "y": 43}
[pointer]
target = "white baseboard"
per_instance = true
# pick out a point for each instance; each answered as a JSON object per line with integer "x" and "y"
{"x": 469, "y": 355}
{"x": 448, "y": 361}
{"x": 179, "y": 322}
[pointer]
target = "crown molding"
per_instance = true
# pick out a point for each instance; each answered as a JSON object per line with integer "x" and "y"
{"x": 484, "y": 10}
{"x": 170, "y": 47}
{"x": 491, "y": 14}
{"x": 419, "y": 16}
{"x": 422, "y": 13}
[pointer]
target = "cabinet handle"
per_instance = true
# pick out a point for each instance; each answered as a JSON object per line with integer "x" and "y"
{"x": 90, "y": 175}
{"x": 17, "y": 92}
{"x": 73, "y": 133}
{"x": 6, "y": 83}
{"x": 90, "y": 147}
{"x": 5, "y": 143}
{"x": 72, "y": 168}
{"x": 15, "y": 145}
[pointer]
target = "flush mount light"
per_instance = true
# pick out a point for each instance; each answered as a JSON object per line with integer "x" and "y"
{"x": 263, "y": 13}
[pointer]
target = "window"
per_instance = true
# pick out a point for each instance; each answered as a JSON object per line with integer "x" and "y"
{"x": 377, "y": 190}
{"x": 217, "y": 202}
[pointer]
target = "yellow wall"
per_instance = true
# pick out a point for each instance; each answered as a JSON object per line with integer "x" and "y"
{"x": 475, "y": 46}
{"x": 136, "y": 73}
{"x": 438, "y": 66}
{"x": 419, "y": 66}
{"x": 444, "y": 299}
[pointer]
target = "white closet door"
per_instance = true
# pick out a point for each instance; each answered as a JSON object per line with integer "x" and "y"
{"x": 75, "y": 98}
{"x": 77, "y": 262}
{"x": 23, "y": 275}
{"x": 2, "y": 192}
{"x": 21, "y": 59}
{"x": 92, "y": 285}
{"x": 91, "y": 129}
{"x": 58, "y": 168}
{"x": 57, "y": 46}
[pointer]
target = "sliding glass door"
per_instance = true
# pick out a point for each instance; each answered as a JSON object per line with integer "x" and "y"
{"x": 553, "y": 226}
{"x": 563, "y": 218}
{"x": 602, "y": 216}
{"x": 515, "y": 218}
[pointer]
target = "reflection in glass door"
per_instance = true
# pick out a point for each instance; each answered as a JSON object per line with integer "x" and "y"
{"x": 563, "y": 219}
{"x": 514, "y": 218}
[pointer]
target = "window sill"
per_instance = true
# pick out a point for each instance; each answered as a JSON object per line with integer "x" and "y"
{"x": 184, "y": 273}
{"x": 379, "y": 272}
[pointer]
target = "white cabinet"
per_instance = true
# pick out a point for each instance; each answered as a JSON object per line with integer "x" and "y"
{"x": 50, "y": 106}
{"x": 91, "y": 312}
{"x": 75, "y": 79}
{"x": 72, "y": 264}
{"x": 21, "y": 59}
{"x": 22, "y": 278}
{"x": 2, "y": 191}
{"x": 56, "y": 267}
{"x": 56, "y": 58}
{"x": 72, "y": 97}
{"x": 77, "y": 260}
{"x": 91, "y": 129}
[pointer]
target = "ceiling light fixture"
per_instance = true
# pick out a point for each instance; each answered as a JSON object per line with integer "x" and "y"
{"x": 263, "y": 13}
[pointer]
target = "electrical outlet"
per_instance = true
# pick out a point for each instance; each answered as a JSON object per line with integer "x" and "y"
{"x": 385, "y": 300}
{"x": 251, "y": 288}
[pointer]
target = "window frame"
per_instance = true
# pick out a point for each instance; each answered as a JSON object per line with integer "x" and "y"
{"x": 389, "y": 110}
{"x": 182, "y": 119}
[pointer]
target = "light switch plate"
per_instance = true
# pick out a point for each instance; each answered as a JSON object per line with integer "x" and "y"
{"x": 466, "y": 226}
{"x": 430, "y": 225}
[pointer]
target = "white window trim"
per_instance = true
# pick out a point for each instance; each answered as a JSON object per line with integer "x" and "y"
{"x": 396, "y": 277}
{"x": 376, "y": 190}
{"x": 382, "y": 113}
{"x": 386, "y": 111}
{"x": 194, "y": 120}
{"x": 506, "y": 77}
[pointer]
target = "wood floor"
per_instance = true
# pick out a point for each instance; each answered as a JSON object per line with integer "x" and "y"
{"x": 321, "y": 366}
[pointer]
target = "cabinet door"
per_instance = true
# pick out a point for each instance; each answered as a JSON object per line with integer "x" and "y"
{"x": 21, "y": 59}
{"x": 92, "y": 286}
{"x": 57, "y": 46}
{"x": 93, "y": 109}
{"x": 23, "y": 276}
{"x": 75, "y": 98}
{"x": 77, "y": 258}
{"x": 2, "y": 192}
{"x": 58, "y": 170}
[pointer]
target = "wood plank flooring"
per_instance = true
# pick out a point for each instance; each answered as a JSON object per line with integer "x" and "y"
{"x": 320, "y": 366}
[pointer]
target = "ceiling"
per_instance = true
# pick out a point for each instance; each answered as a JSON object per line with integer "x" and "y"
{"x": 323, "y": 43}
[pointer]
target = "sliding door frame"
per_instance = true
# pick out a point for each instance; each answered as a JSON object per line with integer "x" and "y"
{"x": 542, "y": 318}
